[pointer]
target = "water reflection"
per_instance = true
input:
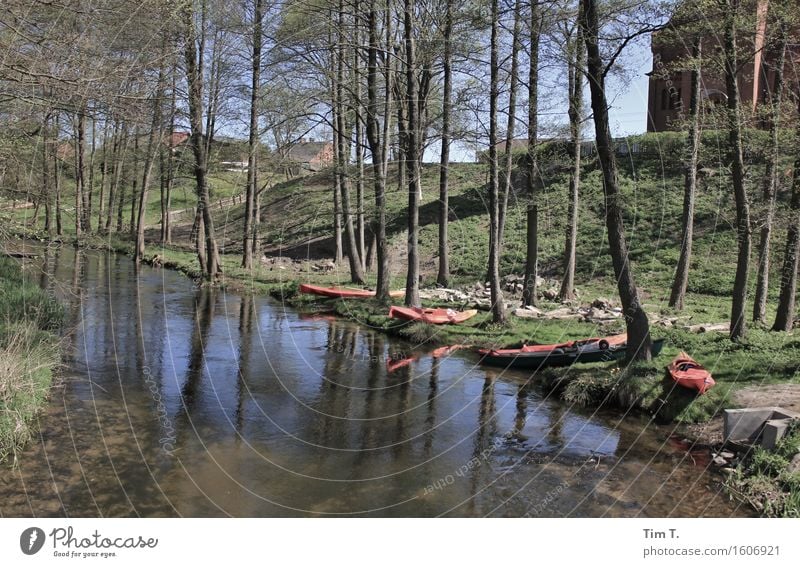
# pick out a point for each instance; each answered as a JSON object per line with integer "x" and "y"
{"x": 185, "y": 400}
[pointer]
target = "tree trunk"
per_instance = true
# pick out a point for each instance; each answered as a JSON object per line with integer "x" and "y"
{"x": 194, "y": 77}
{"x": 356, "y": 266}
{"x": 153, "y": 142}
{"x": 512, "y": 119}
{"x": 57, "y": 177}
{"x": 770, "y": 188}
{"x": 412, "y": 159}
{"x": 532, "y": 210}
{"x": 80, "y": 127}
{"x": 575, "y": 112}
{"x": 784, "y": 318}
{"x": 638, "y": 327}
{"x": 134, "y": 183}
{"x": 377, "y": 145}
{"x": 166, "y": 221}
{"x": 743, "y": 228}
{"x": 252, "y": 177}
{"x": 104, "y": 173}
{"x": 677, "y": 296}
{"x": 48, "y": 221}
{"x": 443, "y": 276}
{"x": 359, "y": 139}
{"x": 119, "y": 166}
{"x": 498, "y": 305}
{"x": 88, "y": 194}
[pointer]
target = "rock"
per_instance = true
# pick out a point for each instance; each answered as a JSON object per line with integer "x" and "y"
{"x": 563, "y": 313}
{"x": 550, "y": 294}
{"x": 719, "y": 461}
{"x": 603, "y": 303}
{"x": 727, "y": 455}
{"x": 528, "y": 312}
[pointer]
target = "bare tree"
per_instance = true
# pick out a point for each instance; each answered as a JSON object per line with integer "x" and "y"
{"x": 681, "y": 280}
{"x": 252, "y": 142}
{"x": 638, "y": 326}
{"x": 498, "y": 305}
{"x": 736, "y": 157}
{"x": 771, "y": 174}
{"x": 575, "y": 75}
{"x": 532, "y": 207}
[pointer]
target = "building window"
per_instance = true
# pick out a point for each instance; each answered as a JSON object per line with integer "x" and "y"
{"x": 675, "y": 99}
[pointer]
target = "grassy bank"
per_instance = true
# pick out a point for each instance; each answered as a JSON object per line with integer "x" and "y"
{"x": 769, "y": 480}
{"x": 28, "y": 355}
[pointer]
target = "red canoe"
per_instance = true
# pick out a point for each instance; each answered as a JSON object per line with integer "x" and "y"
{"x": 432, "y": 316}
{"x": 688, "y": 373}
{"x": 342, "y": 292}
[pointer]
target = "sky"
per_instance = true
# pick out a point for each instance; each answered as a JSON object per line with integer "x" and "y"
{"x": 627, "y": 97}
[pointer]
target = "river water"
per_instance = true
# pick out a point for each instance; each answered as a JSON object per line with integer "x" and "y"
{"x": 182, "y": 401}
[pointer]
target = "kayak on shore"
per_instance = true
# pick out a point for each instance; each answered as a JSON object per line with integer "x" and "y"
{"x": 431, "y": 316}
{"x": 689, "y": 373}
{"x": 599, "y": 349}
{"x": 343, "y": 292}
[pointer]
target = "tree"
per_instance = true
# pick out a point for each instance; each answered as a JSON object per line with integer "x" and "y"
{"x": 209, "y": 258}
{"x": 736, "y": 158}
{"x": 378, "y": 141}
{"x": 342, "y": 154}
{"x": 443, "y": 275}
{"x": 252, "y": 143}
{"x": 784, "y": 318}
{"x": 512, "y": 119}
{"x": 770, "y": 180}
{"x": 411, "y": 153}
{"x": 637, "y": 324}
{"x": 575, "y": 74}
{"x": 154, "y": 138}
{"x": 498, "y": 305}
{"x": 532, "y": 208}
{"x": 681, "y": 280}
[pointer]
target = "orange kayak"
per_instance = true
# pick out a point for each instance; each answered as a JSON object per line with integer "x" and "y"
{"x": 687, "y": 372}
{"x": 343, "y": 292}
{"x": 432, "y": 316}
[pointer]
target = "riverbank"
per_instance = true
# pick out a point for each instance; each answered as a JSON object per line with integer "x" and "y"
{"x": 29, "y": 353}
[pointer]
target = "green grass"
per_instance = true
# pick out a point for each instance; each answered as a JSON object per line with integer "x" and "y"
{"x": 764, "y": 478}
{"x": 28, "y": 354}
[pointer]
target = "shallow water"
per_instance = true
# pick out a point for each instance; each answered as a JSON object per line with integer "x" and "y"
{"x": 179, "y": 401}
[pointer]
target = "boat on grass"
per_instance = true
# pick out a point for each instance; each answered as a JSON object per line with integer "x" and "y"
{"x": 431, "y": 316}
{"x": 597, "y": 349}
{"x": 689, "y": 373}
{"x": 343, "y": 292}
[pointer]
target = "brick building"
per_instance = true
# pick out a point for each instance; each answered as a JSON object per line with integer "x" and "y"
{"x": 670, "y": 88}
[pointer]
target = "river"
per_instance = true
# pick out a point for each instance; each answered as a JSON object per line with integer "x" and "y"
{"x": 176, "y": 400}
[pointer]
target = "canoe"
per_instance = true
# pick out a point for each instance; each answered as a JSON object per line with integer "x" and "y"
{"x": 597, "y": 349}
{"x": 689, "y": 373}
{"x": 432, "y": 316}
{"x": 343, "y": 292}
